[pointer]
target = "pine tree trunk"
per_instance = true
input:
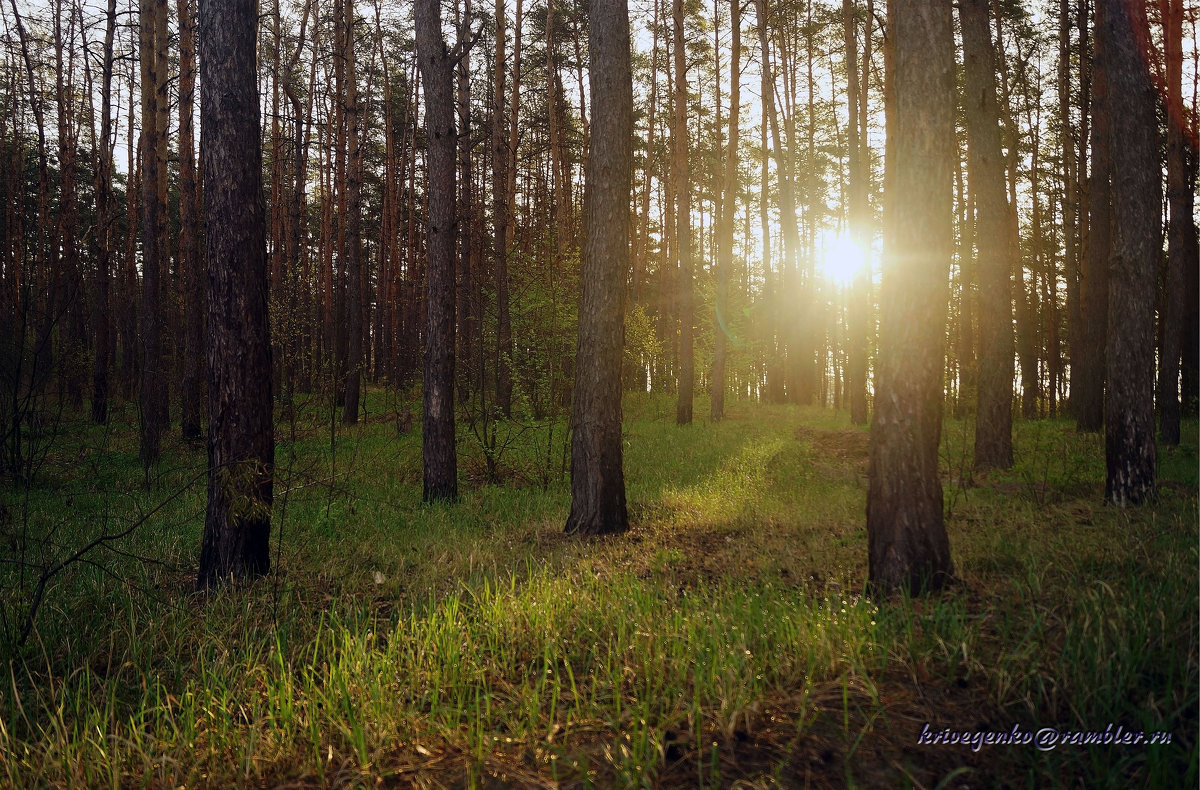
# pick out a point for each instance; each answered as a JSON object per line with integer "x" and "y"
{"x": 1137, "y": 247}
{"x": 324, "y": 357}
{"x": 1087, "y": 377}
{"x": 69, "y": 314}
{"x": 384, "y": 367}
{"x": 241, "y": 443}
{"x": 597, "y": 476}
{"x": 297, "y": 290}
{"x": 681, "y": 173}
{"x": 1182, "y": 225}
{"x": 190, "y": 263}
{"x": 105, "y": 225}
{"x": 437, "y": 76}
{"x": 353, "y": 223}
{"x": 129, "y": 291}
{"x": 667, "y": 328}
{"x": 773, "y": 363}
{"x": 416, "y": 275}
{"x": 502, "y": 161}
{"x": 465, "y": 361}
{"x": 1189, "y": 385}
{"x": 639, "y": 378}
{"x": 555, "y": 117}
{"x": 907, "y": 542}
{"x": 728, "y": 215}
{"x": 1044, "y": 270}
{"x": 804, "y": 350}
{"x": 857, "y": 330}
{"x": 152, "y": 372}
{"x": 966, "y": 341}
{"x": 165, "y": 310}
{"x": 997, "y": 257}
{"x": 1070, "y": 199}
{"x": 585, "y": 128}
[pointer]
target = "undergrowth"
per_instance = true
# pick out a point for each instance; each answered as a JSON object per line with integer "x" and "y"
{"x": 724, "y": 640}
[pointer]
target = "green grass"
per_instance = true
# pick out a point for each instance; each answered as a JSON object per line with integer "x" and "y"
{"x": 724, "y": 640}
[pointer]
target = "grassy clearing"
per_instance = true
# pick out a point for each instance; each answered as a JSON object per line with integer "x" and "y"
{"x": 723, "y": 641}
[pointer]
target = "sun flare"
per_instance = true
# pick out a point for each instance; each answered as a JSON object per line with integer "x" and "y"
{"x": 840, "y": 259}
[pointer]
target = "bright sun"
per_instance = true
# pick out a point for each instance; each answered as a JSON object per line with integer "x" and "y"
{"x": 840, "y": 258}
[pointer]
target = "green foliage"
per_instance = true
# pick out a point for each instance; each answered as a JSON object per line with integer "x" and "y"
{"x": 641, "y": 342}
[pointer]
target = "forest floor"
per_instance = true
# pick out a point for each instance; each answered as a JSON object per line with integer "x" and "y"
{"x": 724, "y": 641}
